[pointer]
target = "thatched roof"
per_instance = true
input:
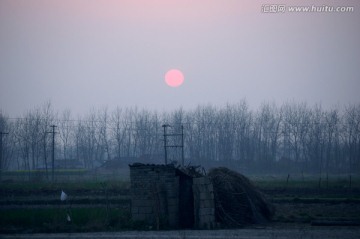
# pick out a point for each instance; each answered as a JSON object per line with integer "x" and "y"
{"x": 237, "y": 201}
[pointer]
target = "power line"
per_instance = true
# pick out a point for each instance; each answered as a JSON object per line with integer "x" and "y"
{"x": 157, "y": 122}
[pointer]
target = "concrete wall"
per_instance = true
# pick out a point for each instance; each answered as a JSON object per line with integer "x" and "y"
{"x": 155, "y": 195}
{"x": 204, "y": 206}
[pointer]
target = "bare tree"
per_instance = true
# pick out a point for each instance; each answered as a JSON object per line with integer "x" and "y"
{"x": 352, "y": 137}
{"x": 103, "y": 137}
{"x": 117, "y": 132}
{"x": 48, "y": 117}
{"x": 66, "y": 126}
{"x": 310, "y": 139}
{"x": 331, "y": 127}
{"x": 7, "y": 140}
{"x": 268, "y": 123}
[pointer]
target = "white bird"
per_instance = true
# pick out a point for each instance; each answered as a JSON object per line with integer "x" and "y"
{"x": 68, "y": 218}
{"x": 63, "y": 196}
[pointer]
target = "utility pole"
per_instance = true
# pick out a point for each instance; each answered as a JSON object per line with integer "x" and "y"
{"x": 182, "y": 145}
{"x": 53, "y": 152}
{"x": 1, "y": 153}
{"x": 174, "y": 146}
{"x": 165, "y": 141}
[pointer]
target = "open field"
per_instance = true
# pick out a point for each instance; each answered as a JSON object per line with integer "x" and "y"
{"x": 29, "y": 207}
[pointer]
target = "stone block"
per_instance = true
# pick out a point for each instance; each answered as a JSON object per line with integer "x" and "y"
{"x": 173, "y": 202}
{"x": 206, "y": 211}
{"x": 173, "y": 209}
{"x": 142, "y": 203}
{"x": 206, "y": 204}
{"x": 145, "y": 210}
{"x": 138, "y": 217}
{"x": 204, "y": 196}
{"x": 134, "y": 210}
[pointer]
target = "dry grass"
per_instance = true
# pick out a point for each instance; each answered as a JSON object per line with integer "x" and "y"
{"x": 238, "y": 202}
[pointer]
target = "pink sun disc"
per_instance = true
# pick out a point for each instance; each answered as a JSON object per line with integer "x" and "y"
{"x": 174, "y": 78}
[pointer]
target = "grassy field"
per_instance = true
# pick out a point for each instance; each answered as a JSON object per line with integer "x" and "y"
{"x": 64, "y": 220}
{"x": 105, "y": 205}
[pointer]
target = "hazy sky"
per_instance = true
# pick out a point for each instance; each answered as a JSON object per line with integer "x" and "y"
{"x": 81, "y": 54}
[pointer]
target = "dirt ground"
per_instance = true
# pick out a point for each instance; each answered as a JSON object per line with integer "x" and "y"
{"x": 275, "y": 231}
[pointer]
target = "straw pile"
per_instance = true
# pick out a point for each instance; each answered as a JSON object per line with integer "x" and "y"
{"x": 237, "y": 201}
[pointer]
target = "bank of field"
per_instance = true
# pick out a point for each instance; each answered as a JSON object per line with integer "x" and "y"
{"x": 66, "y": 175}
{"x": 103, "y": 204}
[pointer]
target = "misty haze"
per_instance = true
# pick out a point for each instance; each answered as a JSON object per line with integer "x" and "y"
{"x": 174, "y": 118}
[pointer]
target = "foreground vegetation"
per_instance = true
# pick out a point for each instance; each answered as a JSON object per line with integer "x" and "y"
{"x": 105, "y": 205}
{"x": 64, "y": 220}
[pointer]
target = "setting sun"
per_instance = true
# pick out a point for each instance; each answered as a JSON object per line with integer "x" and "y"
{"x": 174, "y": 78}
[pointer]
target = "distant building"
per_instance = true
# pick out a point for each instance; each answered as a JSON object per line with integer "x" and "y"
{"x": 67, "y": 164}
{"x": 118, "y": 163}
{"x": 62, "y": 164}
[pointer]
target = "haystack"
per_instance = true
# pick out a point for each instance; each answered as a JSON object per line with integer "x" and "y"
{"x": 237, "y": 201}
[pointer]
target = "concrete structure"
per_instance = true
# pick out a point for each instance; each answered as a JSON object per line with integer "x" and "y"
{"x": 203, "y": 203}
{"x": 166, "y": 197}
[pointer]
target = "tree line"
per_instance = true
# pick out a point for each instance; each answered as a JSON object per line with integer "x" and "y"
{"x": 293, "y": 137}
